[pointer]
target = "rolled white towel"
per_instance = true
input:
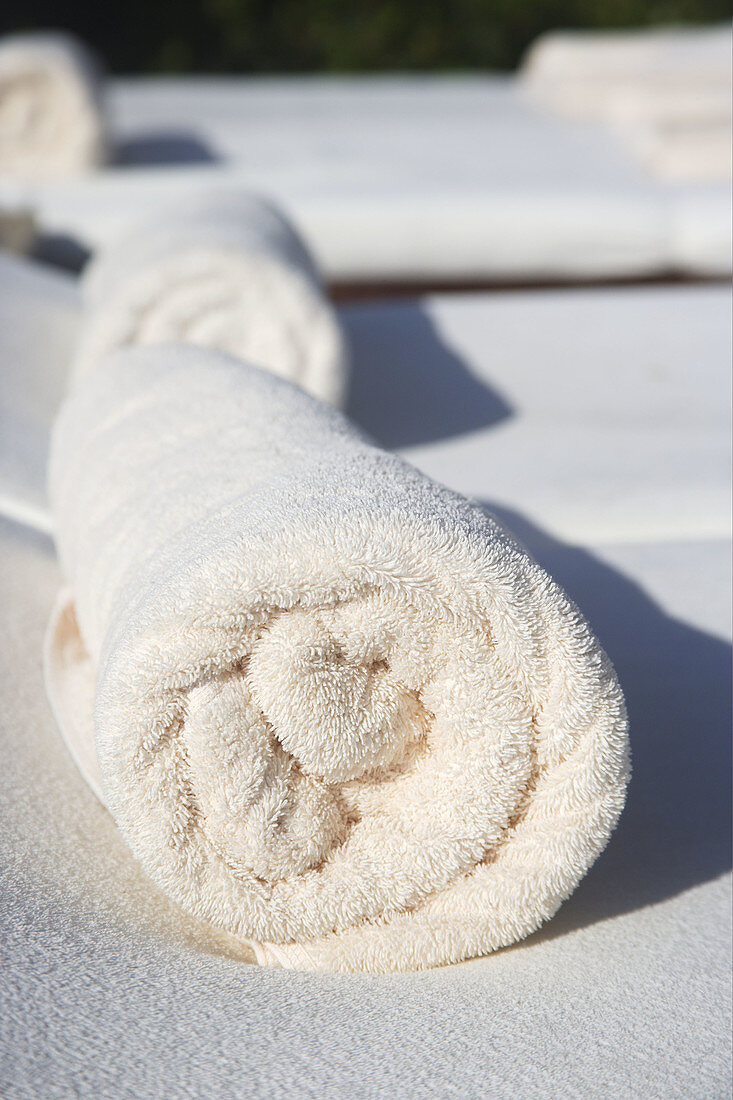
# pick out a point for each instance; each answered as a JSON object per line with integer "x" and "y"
{"x": 333, "y": 707}
{"x": 586, "y": 73}
{"x": 224, "y": 270}
{"x": 666, "y": 93}
{"x": 52, "y": 120}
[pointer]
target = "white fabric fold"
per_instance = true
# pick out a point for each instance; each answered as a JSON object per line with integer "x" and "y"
{"x": 666, "y": 92}
{"x": 335, "y": 709}
{"x": 52, "y": 120}
{"x": 223, "y": 270}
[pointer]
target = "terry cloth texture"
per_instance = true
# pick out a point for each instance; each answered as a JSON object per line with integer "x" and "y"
{"x": 223, "y": 270}
{"x": 666, "y": 92}
{"x": 336, "y": 710}
{"x": 625, "y": 993}
{"x": 51, "y": 116}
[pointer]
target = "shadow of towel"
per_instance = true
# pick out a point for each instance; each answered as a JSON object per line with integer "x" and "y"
{"x": 164, "y": 147}
{"x": 407, "y": 385}
{"x": 60, "y": 250}
{"x": 675, "y": 830}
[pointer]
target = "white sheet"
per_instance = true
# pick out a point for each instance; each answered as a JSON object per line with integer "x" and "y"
{"x": 401, "y": 178}
{"x": 601, "y": 414}
{"x": 625, "y": 994}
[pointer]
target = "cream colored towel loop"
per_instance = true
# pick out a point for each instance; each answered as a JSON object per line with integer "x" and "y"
{"x": 336, "y": 709}
{"x": 223, "y": 270}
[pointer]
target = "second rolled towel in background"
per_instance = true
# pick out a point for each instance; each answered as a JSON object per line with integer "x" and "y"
{"x": 224, "y": 270}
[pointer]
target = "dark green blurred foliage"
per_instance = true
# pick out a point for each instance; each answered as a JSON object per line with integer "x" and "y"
{"x": 240, "y": 36}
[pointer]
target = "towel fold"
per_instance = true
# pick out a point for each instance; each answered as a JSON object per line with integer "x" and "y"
{"x": 333, "y": 707}
{"x": 666, "y": 93}
{"x": 51, "y": 115}
{"x": 223, "y": 270}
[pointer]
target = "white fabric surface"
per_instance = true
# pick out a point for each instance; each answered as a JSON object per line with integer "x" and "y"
{"x": 52, "y": 121}
{"x": 665, "y": 92}
{"x": 602, "y": 415}
{"x": 335, "y": 708}
{"x": 400, "y": 178}
{"x": 625, "y": 993}
{"x": 579, "y": 408}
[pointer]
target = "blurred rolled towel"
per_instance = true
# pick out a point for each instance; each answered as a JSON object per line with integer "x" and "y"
{"x": 52, "y": 121}
{"x": 224, "y": 270}
{"x": 333, "y": 707}
{"x": 666, "y": 92}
